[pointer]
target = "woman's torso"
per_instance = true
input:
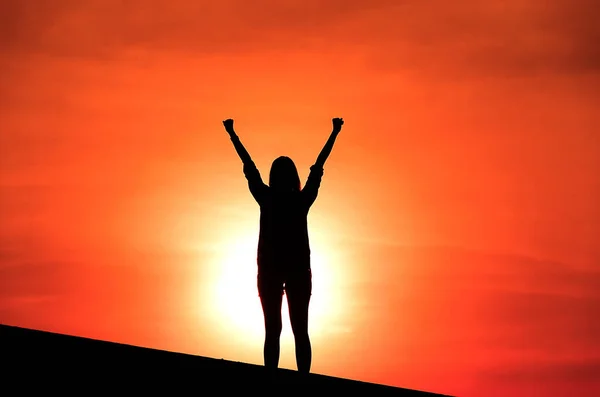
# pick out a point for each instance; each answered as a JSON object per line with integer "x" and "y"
{"x": 283, "y": 244}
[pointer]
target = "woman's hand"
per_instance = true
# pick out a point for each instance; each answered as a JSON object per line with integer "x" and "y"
{"x": 337, "y": 124}
{"x": 229, "y": 126}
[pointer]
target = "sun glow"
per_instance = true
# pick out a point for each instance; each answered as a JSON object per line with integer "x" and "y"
{"x": 235, "y": 295}
{"x": 236, "y": 308}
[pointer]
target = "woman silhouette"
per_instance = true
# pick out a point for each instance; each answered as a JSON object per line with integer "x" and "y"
{"x": 283, "y": 248}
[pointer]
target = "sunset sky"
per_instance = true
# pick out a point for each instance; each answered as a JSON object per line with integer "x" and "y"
{"x": 455, "y": 239}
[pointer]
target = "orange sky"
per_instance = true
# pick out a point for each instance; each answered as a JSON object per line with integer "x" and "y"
{"x": 455, "y": 238}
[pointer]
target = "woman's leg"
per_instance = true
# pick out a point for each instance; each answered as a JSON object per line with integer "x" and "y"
{"x": 298, "y": 290}
{"x": 271, "y": 295}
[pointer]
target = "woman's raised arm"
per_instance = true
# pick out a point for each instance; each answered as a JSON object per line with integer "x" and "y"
{"x": 311, "y": 188}
{"x": 237, "y": 144}
{"x": 326, "y": 151}
{"x": 255, "y": 183}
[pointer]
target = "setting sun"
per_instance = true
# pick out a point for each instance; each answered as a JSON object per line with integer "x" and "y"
{"x": 236, "y": 309}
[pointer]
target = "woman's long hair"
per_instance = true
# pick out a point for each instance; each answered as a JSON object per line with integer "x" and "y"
{"x": 284, "y": 175}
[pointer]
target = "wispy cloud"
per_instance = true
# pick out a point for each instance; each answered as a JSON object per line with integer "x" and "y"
{"x": 511, "y": 38}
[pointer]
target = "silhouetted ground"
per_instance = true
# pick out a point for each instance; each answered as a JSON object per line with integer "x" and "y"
{"x": 44, "y": 362}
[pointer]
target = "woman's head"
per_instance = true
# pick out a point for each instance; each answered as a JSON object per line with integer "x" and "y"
{"x": 284, "y": 175}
